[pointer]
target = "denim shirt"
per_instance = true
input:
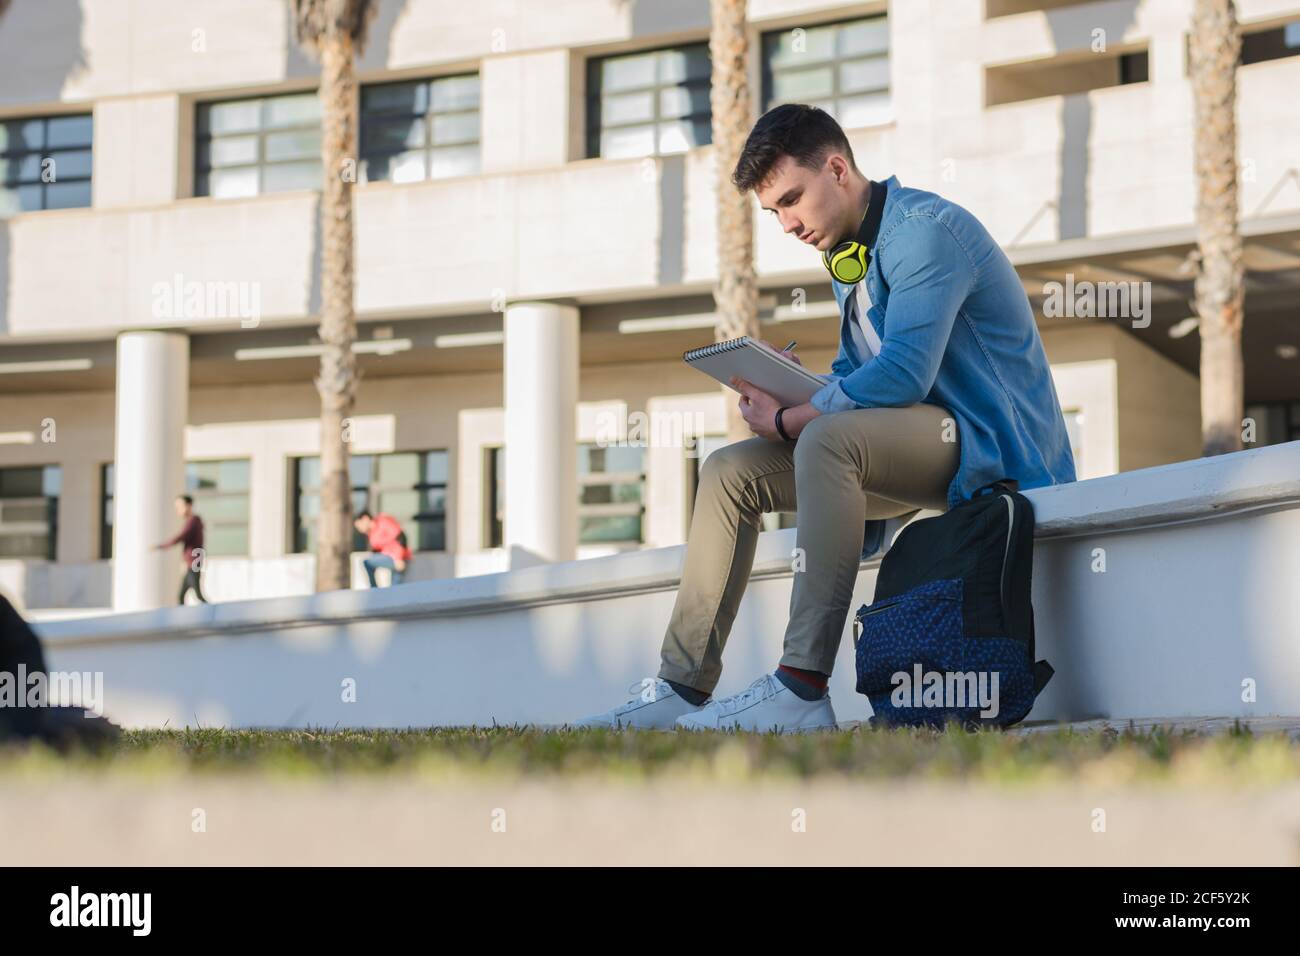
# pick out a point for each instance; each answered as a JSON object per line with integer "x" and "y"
{"x": 957, "y": 331}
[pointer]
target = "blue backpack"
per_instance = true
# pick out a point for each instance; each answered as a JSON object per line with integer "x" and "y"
{"x": 949, "y": 635}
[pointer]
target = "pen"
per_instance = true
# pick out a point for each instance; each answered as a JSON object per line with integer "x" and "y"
{"x": 792, "y": 344}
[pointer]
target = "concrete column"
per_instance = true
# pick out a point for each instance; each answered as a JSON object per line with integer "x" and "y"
{"x": 541, "y": 401}
{"x": 153, "y": 372}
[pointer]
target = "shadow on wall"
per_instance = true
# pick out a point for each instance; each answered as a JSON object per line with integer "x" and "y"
{"x": 40, "y": 47}
{"x": 297, "y": 63}
{"x": 655, "y": 17}
{"x": 315, "y": 250}
{"x": 379, "y": 45}
{"x": 1076, "y": 111}
{"x": 672, "y": 219}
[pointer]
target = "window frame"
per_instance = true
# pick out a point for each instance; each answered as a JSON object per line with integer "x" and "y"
{"x": 10, "y": 154}
{"x": 429, "y": 146}
{"x": 51, "y": 510}
{"x": 108, "y": 480}
{"x": 494, "y": 503}
{"x": 613, "y": 509}
{"x": 594, "y": 126}
{"x": 210, "y": 524}
{"x": 202, "y": 138}
{"x": 767, "y": 84}
{"x": 373, "y": 488}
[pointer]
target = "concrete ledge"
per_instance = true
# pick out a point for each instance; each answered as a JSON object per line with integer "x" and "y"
{"x": 1159, "y": 594}
{"x": 1197, "y": 490}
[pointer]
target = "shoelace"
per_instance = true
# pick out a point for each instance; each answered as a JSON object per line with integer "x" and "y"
{"x": 637, "y": 689}
{"x": 728, "y": 704}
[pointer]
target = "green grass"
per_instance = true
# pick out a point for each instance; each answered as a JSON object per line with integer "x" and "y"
{"x": 1185, "y": 758}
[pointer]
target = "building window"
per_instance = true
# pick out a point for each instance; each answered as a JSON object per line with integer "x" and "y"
{"x": 1274, "y": 44}
{"x": 220, "y": 493}
{"x": 29, "y": 511}
{"x": 262, "y": 145}
{"x": 647, "y": 104}
{"x": 611, "y": 495}
{"x": 411, "y": 486}
{"x": 220, "y": 489}
{"x": 428, "y": 129}
{"x": 841, "y": 67}
{"x": 45, "y": 163}
{"x": 106, "y": 511}
{"x": 1134, "y": 67}
{"x": 1275, "y": 423}
{"x": 496, "y": 496}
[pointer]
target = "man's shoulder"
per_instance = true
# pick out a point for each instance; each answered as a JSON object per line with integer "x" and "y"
{"x": 924, "y": 220}
{"x": 918, "y": 211}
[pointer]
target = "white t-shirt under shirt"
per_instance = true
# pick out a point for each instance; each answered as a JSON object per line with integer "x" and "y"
{"x": 865, "y": 338}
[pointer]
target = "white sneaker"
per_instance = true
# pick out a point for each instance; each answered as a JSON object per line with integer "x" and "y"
{"x": 764, "y": 705}
{"x": 655, "y": 706}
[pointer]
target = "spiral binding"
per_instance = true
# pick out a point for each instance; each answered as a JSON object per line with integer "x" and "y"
{"x": 717, "y": 348}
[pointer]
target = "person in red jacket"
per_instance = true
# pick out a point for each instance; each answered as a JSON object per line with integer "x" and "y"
{"x": 387, "y": 545}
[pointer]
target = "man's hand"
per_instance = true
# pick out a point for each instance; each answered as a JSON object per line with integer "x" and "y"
{"x": 759, "y": 411}
{"x": 399, "y": 564}
{"x": 790, "y": 355}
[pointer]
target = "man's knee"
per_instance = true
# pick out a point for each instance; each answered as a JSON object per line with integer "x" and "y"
{"x": 725, "y": 467}
{"x": 821, "y": 438}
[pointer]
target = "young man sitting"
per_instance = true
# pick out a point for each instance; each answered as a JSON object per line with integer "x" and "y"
{"x": 940, "y": 386}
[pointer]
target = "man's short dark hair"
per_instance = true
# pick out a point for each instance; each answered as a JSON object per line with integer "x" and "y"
{"x": 364, "y": 514}
{"x": 185, "y": 498}
{"x": 804, "y": 133}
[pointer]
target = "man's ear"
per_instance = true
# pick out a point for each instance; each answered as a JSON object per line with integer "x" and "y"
{"x": 840, "y": 167}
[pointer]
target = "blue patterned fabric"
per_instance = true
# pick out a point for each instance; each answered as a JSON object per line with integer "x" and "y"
{"x": 907, "y": 638}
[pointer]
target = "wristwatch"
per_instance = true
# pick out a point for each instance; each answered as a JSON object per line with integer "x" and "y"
{"x": 780, "y": 428}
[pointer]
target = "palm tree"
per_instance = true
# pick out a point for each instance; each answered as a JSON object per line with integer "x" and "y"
{"x": 1220, "y": 280}
{"x": 736, "y": 294}
{"x": 334, "y": 31}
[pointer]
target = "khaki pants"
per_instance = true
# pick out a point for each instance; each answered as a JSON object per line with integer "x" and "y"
{"x": 845, "y": 468}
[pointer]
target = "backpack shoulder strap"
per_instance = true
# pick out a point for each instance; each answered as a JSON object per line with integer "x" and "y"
{"x": 1001, "y": 485}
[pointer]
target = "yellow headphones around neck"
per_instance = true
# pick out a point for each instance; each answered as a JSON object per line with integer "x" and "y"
{"x": 847, "y": 261}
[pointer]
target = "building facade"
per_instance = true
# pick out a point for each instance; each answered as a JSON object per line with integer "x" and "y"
{"x": 536, "y": 247}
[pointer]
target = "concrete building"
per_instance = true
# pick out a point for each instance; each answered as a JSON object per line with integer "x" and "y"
{"x": 536, "y": 195}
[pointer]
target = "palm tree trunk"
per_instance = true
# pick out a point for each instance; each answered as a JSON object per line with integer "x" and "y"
{"x": 338, "y": 330}
{"x": 736, "y": 294}
{"x": 1214, "y": 48}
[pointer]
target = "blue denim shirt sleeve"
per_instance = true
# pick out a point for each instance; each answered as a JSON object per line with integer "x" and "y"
{"x": 929, "y": 276}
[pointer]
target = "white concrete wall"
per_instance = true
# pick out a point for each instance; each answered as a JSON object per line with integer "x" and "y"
{"x": 1157, "y": 594}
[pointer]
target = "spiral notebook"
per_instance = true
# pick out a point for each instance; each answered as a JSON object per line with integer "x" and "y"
{"x": 782, "y": 378}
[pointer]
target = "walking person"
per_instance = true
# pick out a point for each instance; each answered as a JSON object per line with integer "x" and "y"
{"x": 190, "y": 538}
